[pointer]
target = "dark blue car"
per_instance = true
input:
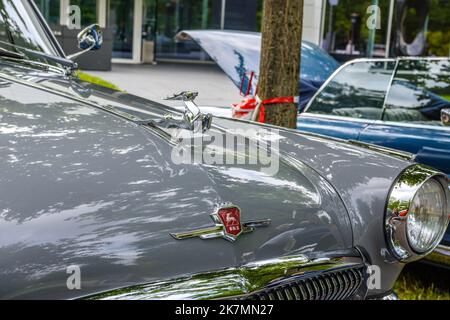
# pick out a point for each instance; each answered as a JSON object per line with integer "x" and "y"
{"x": 402, "y": 103}
{"x": 395, "y": 103}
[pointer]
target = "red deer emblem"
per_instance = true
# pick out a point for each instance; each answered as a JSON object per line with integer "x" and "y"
{"x": 227, "y": 225}
{"x": 231, "y": 219}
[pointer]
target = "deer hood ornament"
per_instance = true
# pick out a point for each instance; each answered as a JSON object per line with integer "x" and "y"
{"x": 193, "y": 119}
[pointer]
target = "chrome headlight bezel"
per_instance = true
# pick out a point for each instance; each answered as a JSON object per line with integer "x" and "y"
{"x": 400, "y": 199}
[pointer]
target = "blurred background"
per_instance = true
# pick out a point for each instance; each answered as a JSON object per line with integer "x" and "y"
{"x": 142, "y": 31}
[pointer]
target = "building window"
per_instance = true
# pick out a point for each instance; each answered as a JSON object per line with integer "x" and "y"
{"x": 346, "y": 31}
{"x": 50, "y": 9}
{"x": 121, "y": 22}
{"x": 241, "y": 15}
{"x": 173, "y": 16}
{"x": 88, "y": 11}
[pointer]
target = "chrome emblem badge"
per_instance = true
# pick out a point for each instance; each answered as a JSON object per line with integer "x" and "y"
{"x": 228, "y": 225}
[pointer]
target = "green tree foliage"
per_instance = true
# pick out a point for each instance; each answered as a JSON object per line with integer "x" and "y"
{"x": 438, "y": 28}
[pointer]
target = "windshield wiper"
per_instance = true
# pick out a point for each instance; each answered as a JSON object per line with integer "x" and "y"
{"x": 11, "y": 54}
{"x": 62, "y": 61}
{"x": 22, "y": 53}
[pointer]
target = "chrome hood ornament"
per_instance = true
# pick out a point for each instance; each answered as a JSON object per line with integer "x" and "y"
{"x": 192, "y": 118}
{"x": 228, "y": 225}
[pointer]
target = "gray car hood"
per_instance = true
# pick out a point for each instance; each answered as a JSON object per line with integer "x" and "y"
{"x": 80, "y": 186}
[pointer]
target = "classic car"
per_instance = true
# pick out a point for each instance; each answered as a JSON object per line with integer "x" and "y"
{"x": 93, "y": 205}
{"x": 401, "y": 103}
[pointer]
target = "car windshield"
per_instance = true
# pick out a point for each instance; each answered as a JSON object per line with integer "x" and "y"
{"x": 20, "y": 29}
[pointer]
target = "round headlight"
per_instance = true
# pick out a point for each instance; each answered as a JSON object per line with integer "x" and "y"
{"x": 426, "y": 217}
{"x": 417, "y": 213}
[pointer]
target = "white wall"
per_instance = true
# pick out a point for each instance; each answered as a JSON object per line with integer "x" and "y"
{"x": 312, "y": 20}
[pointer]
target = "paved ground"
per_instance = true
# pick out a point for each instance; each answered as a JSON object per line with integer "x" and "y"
{"x": 157, "y": 81}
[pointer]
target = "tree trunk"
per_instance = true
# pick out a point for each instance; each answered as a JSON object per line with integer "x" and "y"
{"x": 280, "y": 58}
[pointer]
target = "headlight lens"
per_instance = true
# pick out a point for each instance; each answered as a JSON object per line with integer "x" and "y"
{"x": 417, "y": 213}
{"x": 426, "y": 217}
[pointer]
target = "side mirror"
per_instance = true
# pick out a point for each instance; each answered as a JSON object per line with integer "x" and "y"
{"x": 90, "y": 38}
{"x": 445, "y": 117}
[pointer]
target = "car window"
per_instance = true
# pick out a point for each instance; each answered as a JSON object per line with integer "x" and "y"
{"x": 419, "y": 91}
{"x": 357, "y": 91}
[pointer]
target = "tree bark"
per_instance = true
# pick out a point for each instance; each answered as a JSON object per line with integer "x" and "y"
{"x": 282, "y": 25}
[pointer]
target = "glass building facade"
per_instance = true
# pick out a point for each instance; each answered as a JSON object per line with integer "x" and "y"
{"x": 171, "y": 16}
{"x": 146, "y": 27}
{"x": 143, "y": 30}
{"x": 402, "y": 23}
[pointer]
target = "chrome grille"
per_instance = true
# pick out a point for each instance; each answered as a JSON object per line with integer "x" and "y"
{"x": 336, "y": 284}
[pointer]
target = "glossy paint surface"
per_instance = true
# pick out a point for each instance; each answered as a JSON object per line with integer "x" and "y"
{"x": 84, "y": 187}
{"x": 81, "y": 186}
{"x": 430, "y": 144}
{"x": 333, "y": 127}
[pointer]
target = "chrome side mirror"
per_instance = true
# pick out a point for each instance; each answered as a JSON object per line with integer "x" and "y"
{"x": 445, "y": 117}
{"x": 90, "y": 38}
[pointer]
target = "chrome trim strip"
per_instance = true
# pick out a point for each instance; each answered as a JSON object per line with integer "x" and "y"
{"x": 391, "y": 295}
{"x": 410, "y": 125}
{"x": 334, "y": 117}
{"x": 231, "y": 282}
{"x": 392, "y": 152}
{"x": 388, "y": 90}
{"x": 440, "y": 256}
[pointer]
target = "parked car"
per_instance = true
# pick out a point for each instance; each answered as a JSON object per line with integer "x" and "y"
{"x": 397, "y": 103}
{"x": 93, "y": 205}
{"x": 401, "y": 103}
{"x": 238, "y": 54}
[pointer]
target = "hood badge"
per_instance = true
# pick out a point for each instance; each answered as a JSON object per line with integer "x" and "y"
{"x": 228, "y": 225}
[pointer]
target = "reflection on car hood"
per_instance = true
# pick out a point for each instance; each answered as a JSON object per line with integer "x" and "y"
{"x": 81, "y": 186}
{"x": 239, "y": 52}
